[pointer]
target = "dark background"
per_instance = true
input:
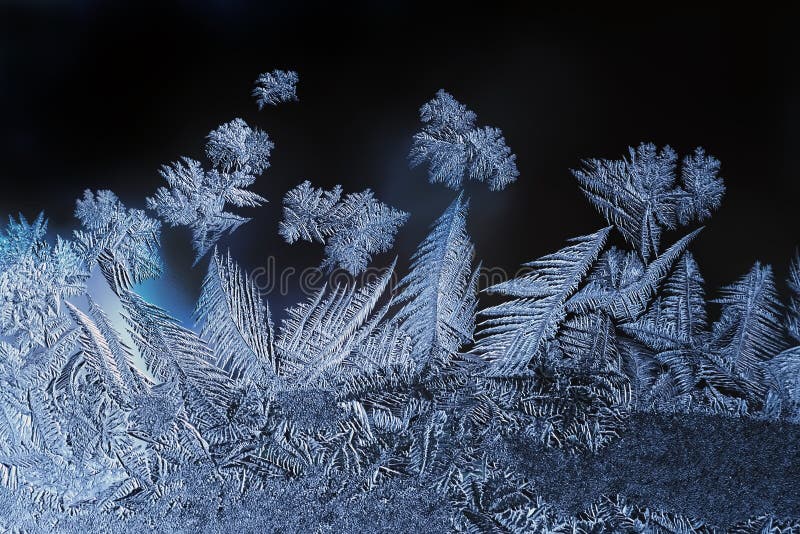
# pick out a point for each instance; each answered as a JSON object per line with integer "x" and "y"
{"x": 100, "y": 94}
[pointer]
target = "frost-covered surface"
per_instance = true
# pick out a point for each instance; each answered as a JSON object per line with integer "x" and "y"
{"x": 656, "y": 460}
{"x": 745, "y": 467}
{"x": 601, "y": 393}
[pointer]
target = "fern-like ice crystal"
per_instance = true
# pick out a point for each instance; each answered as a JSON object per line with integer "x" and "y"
{"x": 352, "y": 228}
{"x": 455, "y": 148}
{"x": 276, "y": 87}
{"x": 197, "y": 198}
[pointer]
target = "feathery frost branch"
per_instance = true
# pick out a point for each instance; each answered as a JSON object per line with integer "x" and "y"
{"x": 352, "y": 228}
{"x": 455, "y": 148}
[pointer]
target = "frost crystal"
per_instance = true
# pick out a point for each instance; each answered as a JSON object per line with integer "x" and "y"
{"x": 517, "y": 331}
{"x": 235, "y": 321}
{"x": 352, "y": 228}
{"x": 196, "y": 198}
{"x": 438, "y": 295}
{"x": 35, "y": 278}
{"x": 273, "y": 88}
{"x": 455, "y": 148}
{"x": 123, "y": 241}
{"x": 640, "y": 195}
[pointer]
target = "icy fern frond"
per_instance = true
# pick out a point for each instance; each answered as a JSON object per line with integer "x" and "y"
{"x": 352, "y": 228}
{"x": 438, "y": 294}
{"x": 352, "y": 446}
{"x": 626, "y": 290}
{"x": 664, "y": 360}
{"x": 455, "y": 148}
{"x": 320, "y": 333}
{"x": 489, "y": 498}
{"x": 703, "y": 186}
{"x": 675, "y": 321}
{"x": 428, "y": 442}
{"x": 235, "y": 321}
{"x": 785, "y": 369}
{"x": 387, "y": 346}
{"x": 589, "y": 341}
{"x": 516, "y": 331}
{"x": 750, "y": 329}
{"x": 276, "y": 87}
{"x": 661, "y": 360}
{"x": 656, "y": 329}
{"x": 616, "y": 269}
{"x": 767, "y": 523}
{"x": 308, "y": 213}
{"x": 14, "y": 411}
{"x": 793, "y": 310}
{"x": 614, "y": 514}
{"x": 677, "y": 318}
{"x": 197, "y": 198}
{"x": 135, "y": 381}
{"x": 107, "y": 354}
{"x": 173, "y": 353}
{"x": 98, "y": 353}
{"x": 684, "y": 298}
{"x": 46, "y": 431}
{"x": 641, "y": 197}
{"x": 128, "y": 238}
{"x": 45, "y": 361}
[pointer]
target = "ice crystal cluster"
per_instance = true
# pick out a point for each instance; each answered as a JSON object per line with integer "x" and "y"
{"x": 362, "y": 395}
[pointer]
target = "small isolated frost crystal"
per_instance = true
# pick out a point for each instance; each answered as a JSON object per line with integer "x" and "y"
{"x": 352, "y": 228}
{"x": 273, "y": 88}
{"x": 454, "y": 147}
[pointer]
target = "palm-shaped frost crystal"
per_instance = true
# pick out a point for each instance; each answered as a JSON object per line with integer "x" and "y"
{"x": 641, "y": 196}
{"x": 517, "y": 331}
{"x": 235, "y": 321}
{"x": 439, "y": 294}
{"x": 455, "y": 148}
